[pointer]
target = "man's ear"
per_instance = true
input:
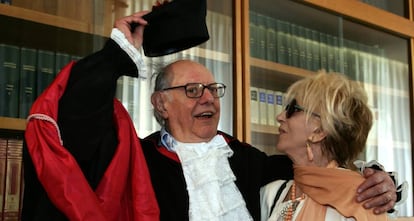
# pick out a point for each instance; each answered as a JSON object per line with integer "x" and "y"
{"x": 157, "y": 101}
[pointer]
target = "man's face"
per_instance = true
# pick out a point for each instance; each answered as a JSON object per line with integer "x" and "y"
{"x": 191, "y": 120}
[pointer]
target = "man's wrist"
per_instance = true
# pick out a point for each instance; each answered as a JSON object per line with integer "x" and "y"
{"x": 132, "y": 52}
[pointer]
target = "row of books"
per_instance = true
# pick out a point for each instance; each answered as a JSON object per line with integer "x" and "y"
{"x": 24, "y": 74}
{"x": 265, "y": 106}
{"x": 11, "y": 178}
{"x": 291, "y": 44}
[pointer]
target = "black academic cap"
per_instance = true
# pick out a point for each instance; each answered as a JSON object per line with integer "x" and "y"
{"x": 175, "y": 26}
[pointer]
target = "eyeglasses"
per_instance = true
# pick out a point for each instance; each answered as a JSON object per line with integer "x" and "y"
{"x": 196, "y": 90}
{"x": 292, "y": 108}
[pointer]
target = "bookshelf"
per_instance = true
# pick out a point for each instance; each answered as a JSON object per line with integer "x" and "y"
{"x": 44, "y": 18}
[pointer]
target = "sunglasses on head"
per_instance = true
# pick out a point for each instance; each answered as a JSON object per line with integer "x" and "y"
{"x": 292, "y": 108}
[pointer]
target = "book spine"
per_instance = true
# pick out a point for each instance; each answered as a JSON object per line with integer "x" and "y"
{"x": 271, "y": 52}
{"x": 278, "y": 104}
{"x": 253, "y": 34}
{"x": 3, "y": 153}
{"x": 262, "y": 106}
{"x": 316, "y": 64}
{"x": 13, "y": 185}
{"x": 61, "y": 60}
{"x": 338, "y": 55}
{"x": 45, "y": 70}
{"x": 9, "y": 80}
{"x": 270, "y": 99}
{"x": 331, "y": 53}
{"x": 284, "y": 48}
{"x": 261, "y": 36}
{"x": 308, "y": 46}
{"x": 302, "y": 46}
{"x": 27, "y": 80}
{"x": 254, "y": 105}
{"x": 323, "y": 51}
{"x": 295, "y": 44}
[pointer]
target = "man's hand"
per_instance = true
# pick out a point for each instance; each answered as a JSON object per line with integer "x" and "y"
{"x": 134, "y": 36}
{"x": 378, "y": 189}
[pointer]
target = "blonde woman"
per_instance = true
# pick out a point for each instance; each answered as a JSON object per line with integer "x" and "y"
{"x": 323, "y": 129}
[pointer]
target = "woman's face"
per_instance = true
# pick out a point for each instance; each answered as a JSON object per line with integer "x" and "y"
{"x": 294, "y": 131}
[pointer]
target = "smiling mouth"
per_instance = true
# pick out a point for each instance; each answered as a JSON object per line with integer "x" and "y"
{"x": 204, "y": 115}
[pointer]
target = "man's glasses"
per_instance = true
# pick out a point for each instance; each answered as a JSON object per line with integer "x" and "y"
{"x": 292, "y": 108}
{"x": 196, "y": 90}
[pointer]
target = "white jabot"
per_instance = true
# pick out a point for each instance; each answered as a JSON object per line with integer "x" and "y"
{"x": 133, "y": 52}
{"x": 210, "y": 181}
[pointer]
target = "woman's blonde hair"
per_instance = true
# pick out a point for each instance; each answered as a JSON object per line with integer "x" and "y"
{"x": 344, "y": 113}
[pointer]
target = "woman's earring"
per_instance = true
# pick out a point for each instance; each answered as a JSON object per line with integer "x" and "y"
{"x": 309, "y": 152}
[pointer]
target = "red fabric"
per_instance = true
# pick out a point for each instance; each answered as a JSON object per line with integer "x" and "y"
{"x": 125, "y": 191}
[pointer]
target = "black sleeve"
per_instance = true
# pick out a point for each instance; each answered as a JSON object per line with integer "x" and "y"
{"x": 85, "y": 114}
{"x": 278, "y": 167}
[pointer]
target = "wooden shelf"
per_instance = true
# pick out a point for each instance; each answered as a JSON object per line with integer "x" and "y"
{"x": 44, "y": 18}
{"x": 377, "y": 17}
{"x": 9, "y": 123}
{"x": 269, "y": 75}
{"x": 290, "y": 74}
{"x": 264, "y": 129}
{"x": 282, "y": 68}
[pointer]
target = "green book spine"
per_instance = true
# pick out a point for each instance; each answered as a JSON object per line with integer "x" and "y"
{"x": 27, "y": 80}
{"x": 350, "y": 59}
{"x": 337, "y": 54}
{"x": 302, "y": 46}
{"x": 316, "y": 64}
{"x": 261, "y": 36}
{"x": 253, "y": 34}
{"x": 271, "y": 39}
{"x": 61, "y": 60}
{"x": 331, "y": 53}
{"x": 295, "y": 44}
{"x": 288, "y": 33}
{"x": 45, "y": 70}
{"x": 9, "y": 80}
{"x": 323, "y": 51}
{"x": 308, "y": 45}
{"x": 284, "y": 48}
